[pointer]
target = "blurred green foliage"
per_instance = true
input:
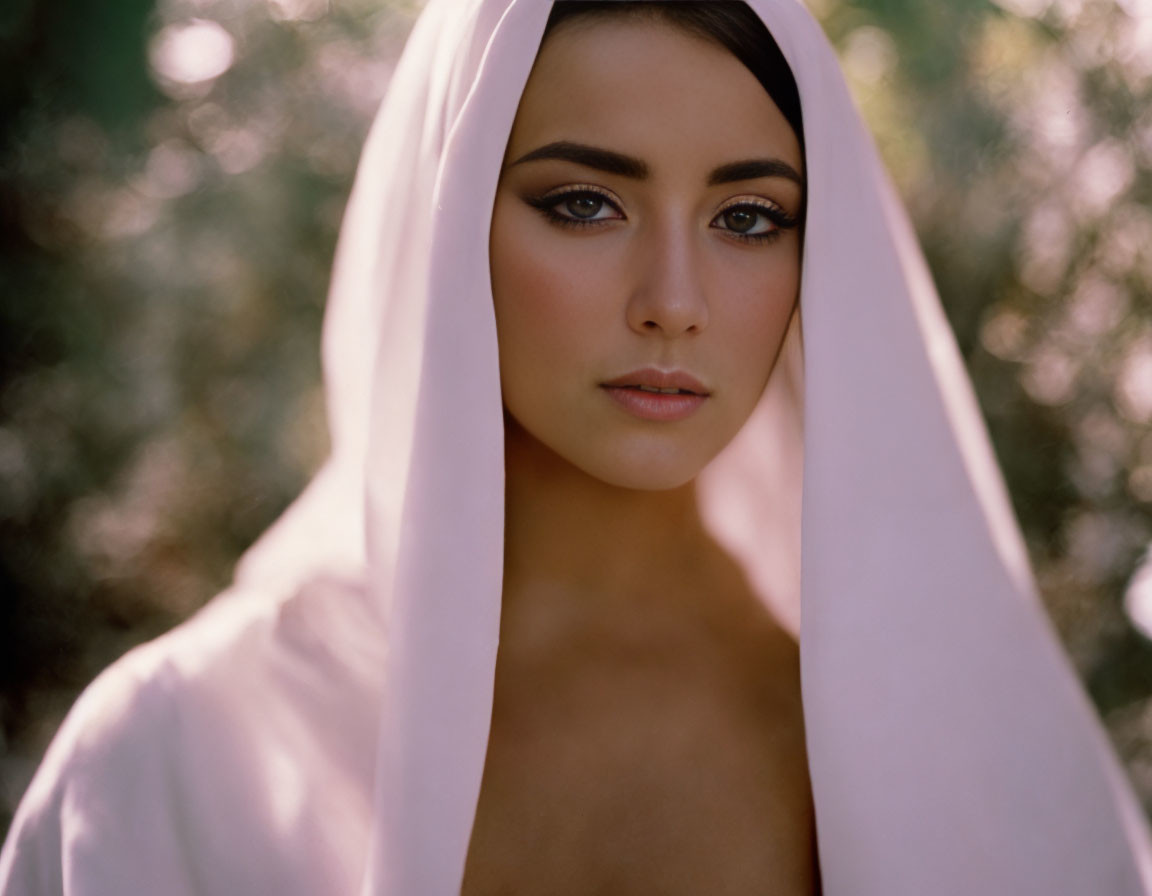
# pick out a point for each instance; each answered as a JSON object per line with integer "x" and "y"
{"x": 172, "y": 175}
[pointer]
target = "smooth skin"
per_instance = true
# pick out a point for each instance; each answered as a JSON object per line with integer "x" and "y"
{"x": 647, "y": 733}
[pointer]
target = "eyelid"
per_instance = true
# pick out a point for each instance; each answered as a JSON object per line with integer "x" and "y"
{"x": 558, "y": 193}
{"x": 778, "y": 219}
{"x": 758, "y": 201}
{"x": 782, "y": 219}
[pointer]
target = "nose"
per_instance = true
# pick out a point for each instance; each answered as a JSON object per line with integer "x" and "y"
{"x": 667, "y": 295}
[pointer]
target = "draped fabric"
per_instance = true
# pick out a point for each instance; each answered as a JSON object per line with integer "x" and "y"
{"x": 951, "y": 749}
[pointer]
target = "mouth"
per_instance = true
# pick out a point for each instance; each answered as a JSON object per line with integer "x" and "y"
{"x": 656, "y": 391}
{"x": 659, "y": 382}
{"x": 656, "y": 395}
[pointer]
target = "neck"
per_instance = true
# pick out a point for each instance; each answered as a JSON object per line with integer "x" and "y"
{"x": 568, "y": 532}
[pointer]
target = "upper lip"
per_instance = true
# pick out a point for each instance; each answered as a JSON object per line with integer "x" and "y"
{"x": 660, "y": 379}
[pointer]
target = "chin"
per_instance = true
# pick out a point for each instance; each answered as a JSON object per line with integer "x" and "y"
{"x": 655, "y": 478}
{"x": 653, "y": 461}
{"x": 655, "y": 466}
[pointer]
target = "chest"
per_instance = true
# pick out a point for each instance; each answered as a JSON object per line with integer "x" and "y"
{"x": 678, "y": 770}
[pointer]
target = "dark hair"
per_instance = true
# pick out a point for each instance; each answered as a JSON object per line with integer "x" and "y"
{"x": 730, "y": 23}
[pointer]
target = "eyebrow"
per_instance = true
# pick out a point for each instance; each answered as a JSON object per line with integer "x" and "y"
{"x": 628, "y": 166}
{"x": 590, "y": 157}
{"x": 751, "y": 169}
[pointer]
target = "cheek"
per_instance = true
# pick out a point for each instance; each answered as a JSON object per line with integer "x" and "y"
{"x": 541, "y": 286}
{"x": 760, "y": 298}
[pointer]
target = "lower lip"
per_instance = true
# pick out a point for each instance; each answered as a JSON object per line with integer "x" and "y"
{"x": 659, "y": 406}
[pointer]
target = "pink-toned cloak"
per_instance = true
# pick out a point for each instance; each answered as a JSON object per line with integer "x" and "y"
{"x": 321, "y": 729}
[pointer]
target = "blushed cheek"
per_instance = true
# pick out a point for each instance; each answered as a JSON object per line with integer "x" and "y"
{"x": 525, "y": 296}
{"x": 544, "y": 283}
{"x": 536, "y": 303}
{"x": 760, "y": 330}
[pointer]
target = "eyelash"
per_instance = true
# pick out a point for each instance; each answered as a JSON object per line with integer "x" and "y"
{"x": 546, "y": 204}
{"x": 780, "y": 219}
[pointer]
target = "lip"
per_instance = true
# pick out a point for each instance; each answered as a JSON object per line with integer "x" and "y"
{"x": 664, "y": 407}
{"x": 659, "y": 379}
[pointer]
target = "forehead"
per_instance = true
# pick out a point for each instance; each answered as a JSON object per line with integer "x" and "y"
{"x": 643, "y": 86}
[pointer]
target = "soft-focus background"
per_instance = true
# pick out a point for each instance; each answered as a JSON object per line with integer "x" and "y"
{"x": 172, "y": 175}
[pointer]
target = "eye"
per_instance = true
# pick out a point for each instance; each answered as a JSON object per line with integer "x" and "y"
{"x": 576, "y": 206}
{"x": 585, "y": 206}
{"x": 753, "y": 220}
{"x": 745, "y": 219}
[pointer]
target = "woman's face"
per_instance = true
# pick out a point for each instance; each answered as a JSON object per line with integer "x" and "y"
{"x": 644, "y": 237}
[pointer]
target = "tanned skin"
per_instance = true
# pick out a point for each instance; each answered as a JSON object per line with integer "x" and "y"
{"x": 647, "y": 732}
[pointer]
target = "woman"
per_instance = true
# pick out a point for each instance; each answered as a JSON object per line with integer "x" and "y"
{"x": 645, "y": 252}
{"x": 343, "y": 721}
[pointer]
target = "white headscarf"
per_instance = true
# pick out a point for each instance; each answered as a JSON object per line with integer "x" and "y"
{"x": 951, "y": 750}
{"x": 950, "y": 747}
